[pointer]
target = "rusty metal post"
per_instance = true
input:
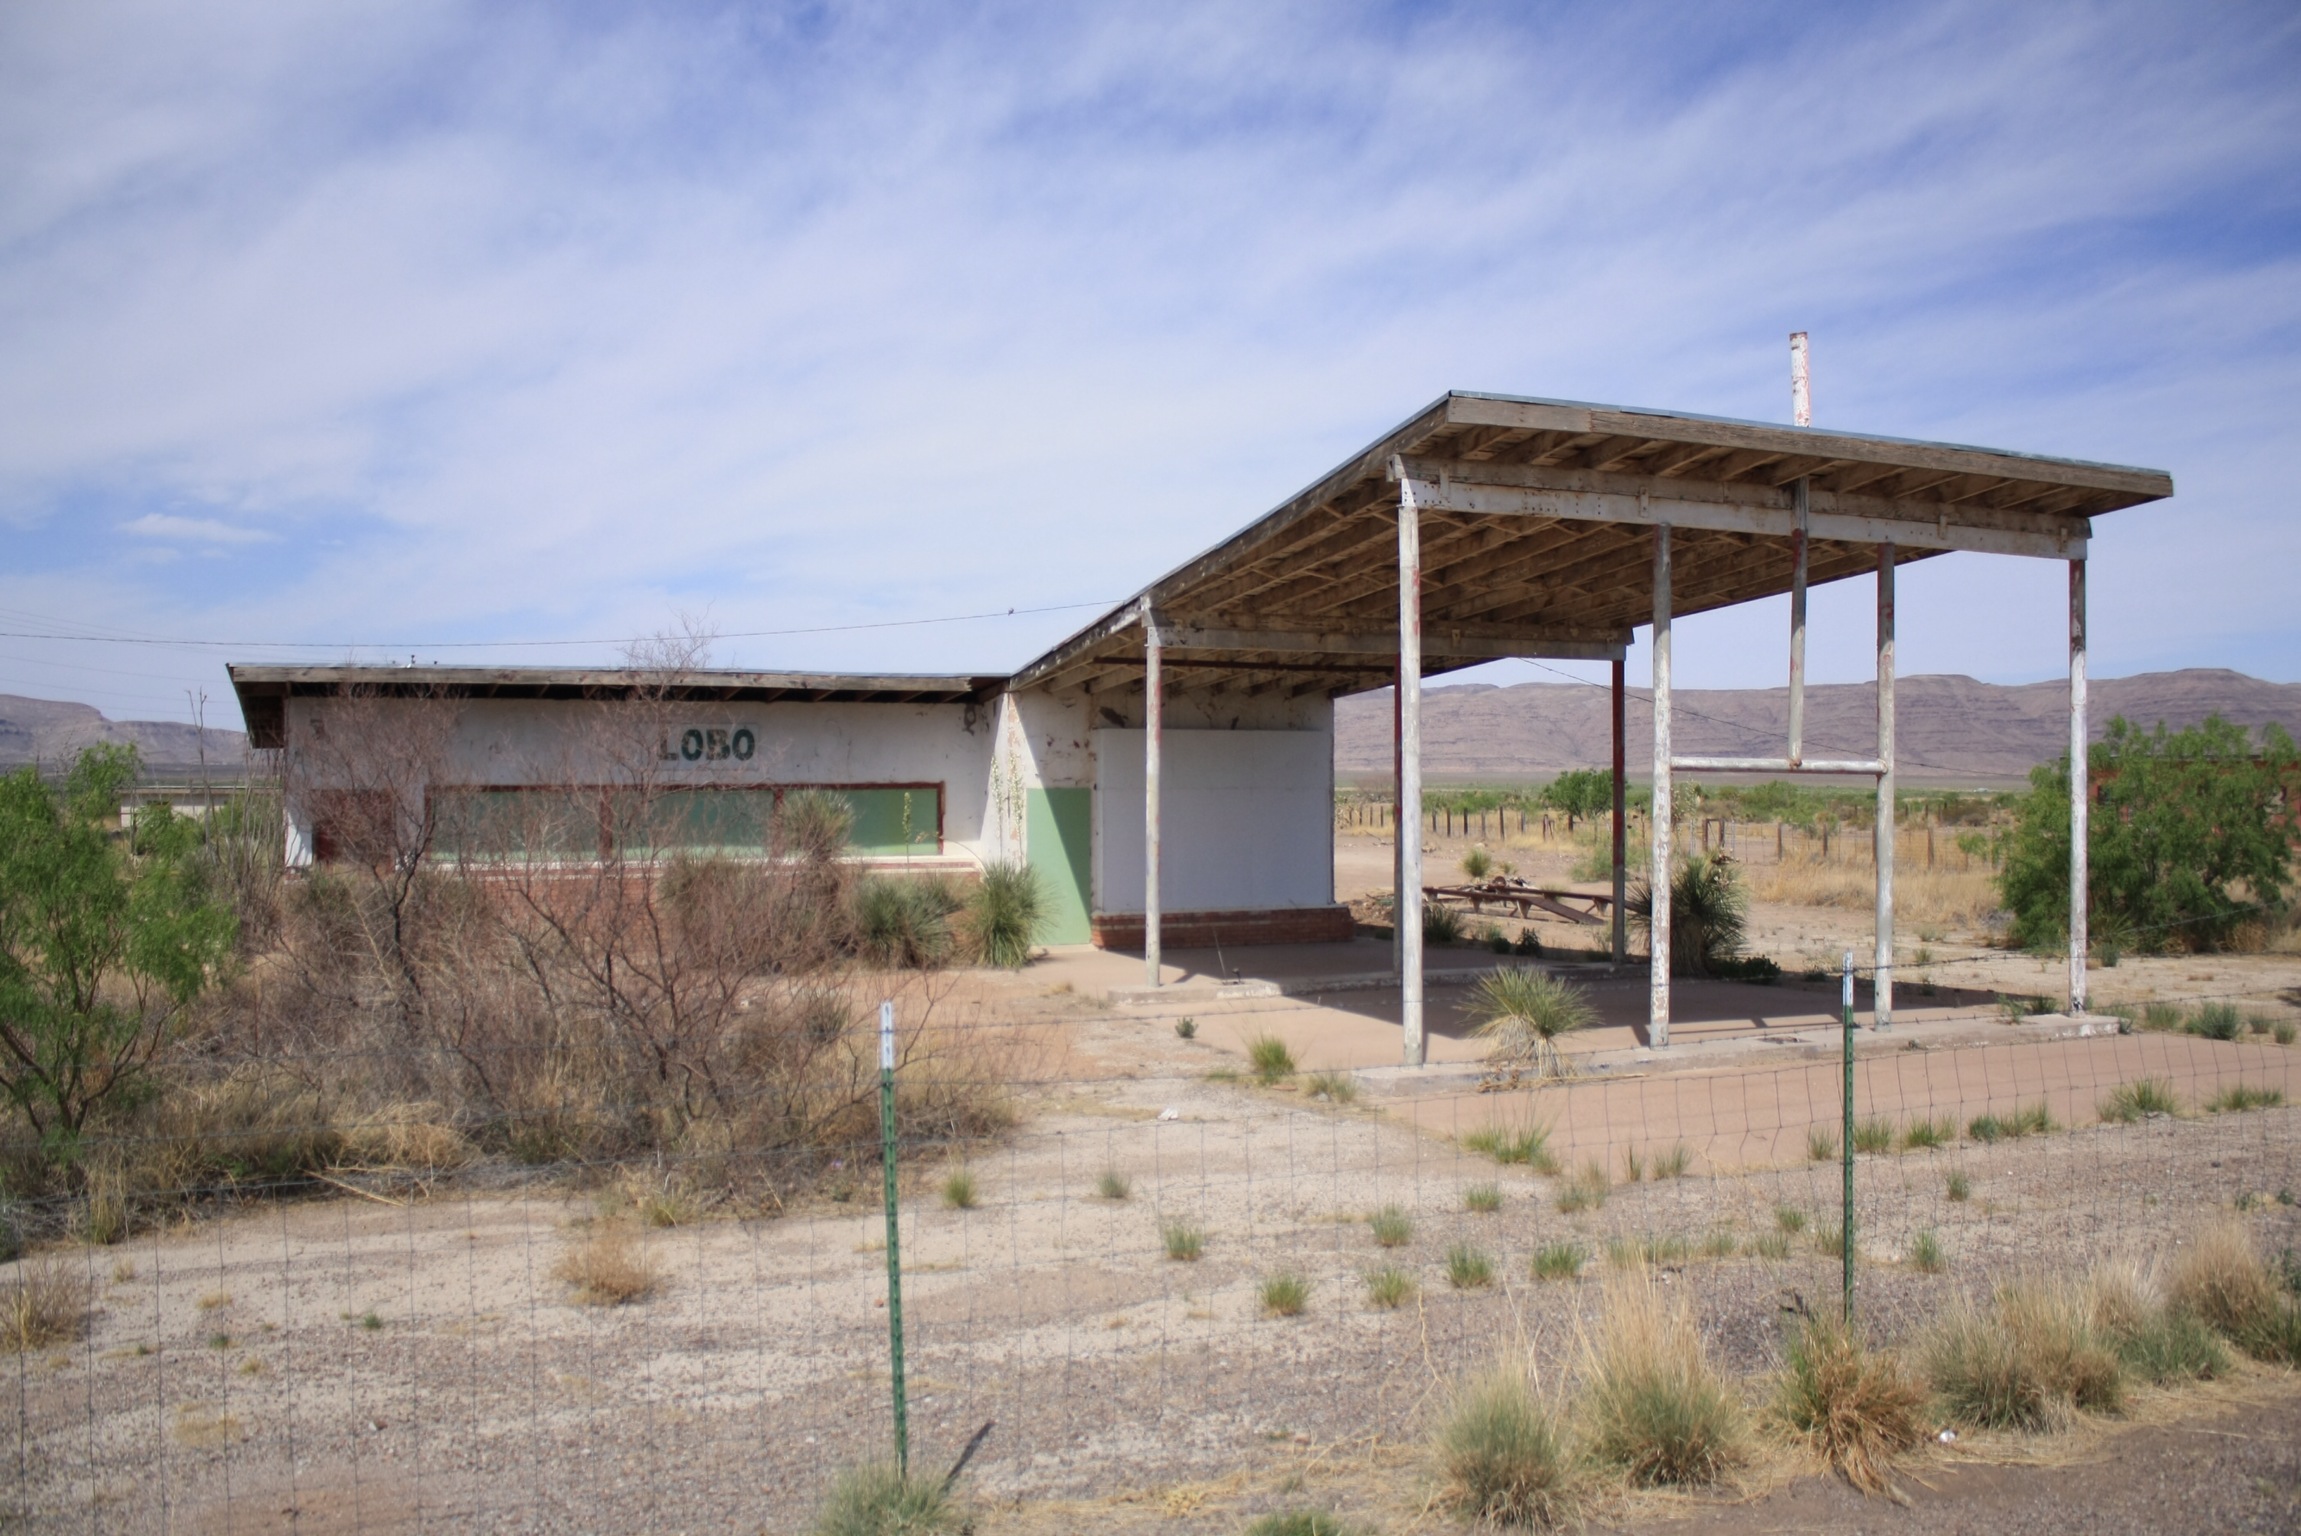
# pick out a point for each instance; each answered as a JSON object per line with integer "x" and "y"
{"x": 1883, "y": 1000}
{"x": 2080, "y": 789}
{"x": 1658, "y": 918}
{"x": 1621, "y": 815}
{"x": 1408, "y": 908}
{"x": 1154, "y": 749}
{"x": 1801, "y": 382}
{"x": 1799, "y": 497}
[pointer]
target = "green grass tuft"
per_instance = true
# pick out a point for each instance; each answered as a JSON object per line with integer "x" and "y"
{"x": 1270, "y": 1059}
{"x": 1957, "y": 1186}
{"x": 1184, "y": 1241}
{"x": 1586, "y": 1190}
{"x": 1334, "y": 1087}
{"x": 1391, "y": 1287}
{"x": 878, "y": 1500}
{"x": 1652, "y": 1406}
{"x": 1391, "y": 1227}
{"x": 1874, "y": 1135}
{"x": 1503, "y": 1455}
{"x": 1485, "y": 1199}
{"x": 959, "y": 1192}
{"x": 1525, "y": 1143}
{"x": 1822, "y": 1144}
{"x": 1285, "y": 1294}
{"x": 1114, "y": 1185}
{"x": 2240, "y": 1096}
{"x": 1299, "y": 1522}
{"x": 2128, "y": 1102}
{"x": 1790, "y": 1219}
{"x": 1559, "y": 1261}
{"x": 2216, "y": 1021}
{"x": 1924, "y": 1135}
{"x": 1468, "y": 1268}
{"x": 1926, "y": 1255}
{"x": 1771, "y": 1245}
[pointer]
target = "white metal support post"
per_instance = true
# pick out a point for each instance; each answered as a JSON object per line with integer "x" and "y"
{"x": 1658, "y": 922}
{"x": 1799, "y": 497}
{"x": 2080, "y": 789}
{"x": 1406, "y": 910}
{"x": 1154, "y": 748}
{"x": 1882, "y": 999}
{"x": 1621, "y": 815}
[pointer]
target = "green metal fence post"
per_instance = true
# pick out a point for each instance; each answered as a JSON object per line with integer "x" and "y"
{"x": 894, "y": 1239}
{"x": 1846, "y": 1217}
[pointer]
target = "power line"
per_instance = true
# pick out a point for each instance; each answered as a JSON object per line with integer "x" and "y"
{"x": 456, "y": 645}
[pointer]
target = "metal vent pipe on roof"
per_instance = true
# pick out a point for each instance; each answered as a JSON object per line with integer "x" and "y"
{"x": 1801, "y": 382}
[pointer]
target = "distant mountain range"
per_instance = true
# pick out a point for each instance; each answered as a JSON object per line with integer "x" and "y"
{"x": 52, "y": 734}
{"x": 1950, "y": 730}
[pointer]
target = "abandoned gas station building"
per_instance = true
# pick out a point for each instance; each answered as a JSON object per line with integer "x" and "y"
{"x": 1168, "y": 770}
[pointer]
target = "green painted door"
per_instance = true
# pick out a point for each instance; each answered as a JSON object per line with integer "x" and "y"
{"x": 1060, "y": 823}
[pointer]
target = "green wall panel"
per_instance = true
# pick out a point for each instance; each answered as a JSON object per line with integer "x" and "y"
{"x": 1061, "y": 822}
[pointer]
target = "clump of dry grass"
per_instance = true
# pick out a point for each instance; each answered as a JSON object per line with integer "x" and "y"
{"x": 2220, "y": 1279}
{"x": 47, "y": 1303}
{"x": 1934, "y": 898}
{"x": 1652, "y": 1405}
{"x": 2029, "y": 1362}
{"x": 2156, "y": 1341}
{"x": 606, "y": 1267}
{"x": 1856, "y": 1408}
{"x": 1504, "y": 1455}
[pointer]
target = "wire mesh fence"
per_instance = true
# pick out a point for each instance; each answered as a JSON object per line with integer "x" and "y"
{"x": 1161, "y": 1268}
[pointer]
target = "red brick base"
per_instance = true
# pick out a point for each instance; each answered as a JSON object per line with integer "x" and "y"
{"x": 1202, "y": 930}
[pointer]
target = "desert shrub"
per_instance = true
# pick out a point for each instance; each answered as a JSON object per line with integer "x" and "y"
{"x": 1391, "y": 1227}
{"x": 2128, "y": 1102}
{"x": 46, "y": 1303}
{"x": 1503, "y": 1454}
{"x": 1285, "y": 1294}
{"x": 904, "y": 920}
{"x": 1651, "y": 1404}
{"x": 1003, "y": 914}
{"x": 1523, "y": 1013}
{"x": 2028, "y": 1362}
{"x": 1477, "y": 864}
{"x": 605, "y": 1267}
{"x": 1270, "y": 1058}
{"x": 1856, "y": 1408}
{"x": 1334, "y": 1087}
{"x": 104, "y": 943}
{"x": 1441, "y": 924}
{"x": 2187, "y": 838}
{"x": 1391, "y": 1287}
{"x": 1709, "y": 914}
{"x": 1468, "y": 1268}
{"x": 878, "y": 1500}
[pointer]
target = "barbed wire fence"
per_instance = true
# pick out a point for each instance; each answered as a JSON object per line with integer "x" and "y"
{"x": 1158, "y": 1273}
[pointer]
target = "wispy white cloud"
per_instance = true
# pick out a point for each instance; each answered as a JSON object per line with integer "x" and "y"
{"x": 504, "y": 320}
{"x": 198, "y": 530}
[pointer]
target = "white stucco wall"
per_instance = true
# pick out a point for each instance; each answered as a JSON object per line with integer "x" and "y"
{"x": 516, "y": 742}
{"x": 1247, "y": 819}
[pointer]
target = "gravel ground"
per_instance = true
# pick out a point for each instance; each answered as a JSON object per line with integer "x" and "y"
{"x": 232, "y": 1378}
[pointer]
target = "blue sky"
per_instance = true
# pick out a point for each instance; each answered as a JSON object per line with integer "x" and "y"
{"x": 413, "y": 325}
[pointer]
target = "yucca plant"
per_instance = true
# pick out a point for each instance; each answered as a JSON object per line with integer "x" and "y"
{"x": 1003, "y": 914}
{"x": 1709, "y": 914}
{"x": 1524, "y": 1013}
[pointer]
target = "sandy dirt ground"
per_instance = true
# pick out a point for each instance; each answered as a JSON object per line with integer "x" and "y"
{"x": 356, "y": 1364}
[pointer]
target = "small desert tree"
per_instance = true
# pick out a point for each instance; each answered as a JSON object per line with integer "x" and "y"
{"x": 2191, "y": 834}
{"x": 1579, "y": 793}
{"x": 104, "y": 940}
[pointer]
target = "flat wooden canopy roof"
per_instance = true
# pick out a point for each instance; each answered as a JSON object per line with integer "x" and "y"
{"x": 1537, "y": 540}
